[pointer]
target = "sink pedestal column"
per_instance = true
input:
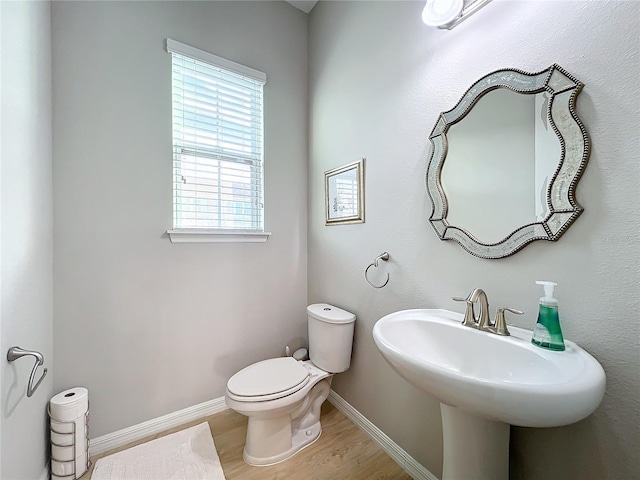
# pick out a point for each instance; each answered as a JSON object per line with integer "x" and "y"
{"x": 474, "y": 447}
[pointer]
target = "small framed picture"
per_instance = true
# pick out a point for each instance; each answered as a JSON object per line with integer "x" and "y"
{"x": 344, "y": 194}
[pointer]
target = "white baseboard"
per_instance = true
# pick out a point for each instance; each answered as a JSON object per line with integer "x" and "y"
{"x": 151, "y": 427}
{"x": 156, "y": 425}
{"x": 402, "y": 458}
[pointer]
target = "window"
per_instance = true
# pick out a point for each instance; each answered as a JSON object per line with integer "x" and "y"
{"x": 217, "y": 148}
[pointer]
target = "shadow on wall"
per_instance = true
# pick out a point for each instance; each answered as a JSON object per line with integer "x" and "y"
{"x": 536, "y": 439}
{"x": 227, "y": 365}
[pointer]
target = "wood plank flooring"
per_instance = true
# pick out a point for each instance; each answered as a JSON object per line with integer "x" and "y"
{"x": 343, "y": 452}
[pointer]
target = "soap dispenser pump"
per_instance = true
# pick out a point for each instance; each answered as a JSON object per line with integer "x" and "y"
{"x": 548, "y": 333}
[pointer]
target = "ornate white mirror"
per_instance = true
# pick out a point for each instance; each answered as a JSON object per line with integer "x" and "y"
{"x": 506, "y": 175}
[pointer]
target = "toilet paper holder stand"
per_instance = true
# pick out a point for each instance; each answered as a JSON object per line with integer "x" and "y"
{"x": 73, "y": 427}
{"x": 15, "y": 353}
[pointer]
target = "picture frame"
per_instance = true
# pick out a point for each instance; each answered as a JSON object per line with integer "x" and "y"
{"x": 344, "y": 194}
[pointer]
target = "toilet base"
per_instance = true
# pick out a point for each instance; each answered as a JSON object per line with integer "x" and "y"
{"x": 299, "y": 440}
{"x": 275, "y": 435}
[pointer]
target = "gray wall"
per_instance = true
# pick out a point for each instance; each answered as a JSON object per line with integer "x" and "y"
{"x": 26, "y": 231}
{"x": 150, "y": 327}
{"x": 378, "y": 80}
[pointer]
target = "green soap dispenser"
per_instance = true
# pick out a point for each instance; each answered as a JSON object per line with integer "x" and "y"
{"x": 548, "y": 333}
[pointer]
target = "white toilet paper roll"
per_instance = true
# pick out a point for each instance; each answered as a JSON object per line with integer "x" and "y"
{"x": 81, "y": 465}
{"x": 62, "y": 469}
{"x": 62, "y": 444}
{"x": 70, "y": 404}
{"x": 62, "y": 433}
{"x": 61, "y": 427}
{"x": 61, "y": 439}
{"x": 65, "y": 469}
{"x": 81, "y": 434}
{"x": 63, "y": 454}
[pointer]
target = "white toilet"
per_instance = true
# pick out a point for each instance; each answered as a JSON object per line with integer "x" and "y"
{"x": 282, "y": 396}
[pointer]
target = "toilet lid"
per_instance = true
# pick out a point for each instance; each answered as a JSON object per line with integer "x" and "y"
{"x": 269, "y": 379}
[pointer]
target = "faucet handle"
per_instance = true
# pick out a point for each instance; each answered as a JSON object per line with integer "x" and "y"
{"x": 469, "y": 314}
{"x": 500, "y": 326}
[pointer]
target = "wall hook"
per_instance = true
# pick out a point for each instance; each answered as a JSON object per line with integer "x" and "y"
{"x": 15, "y": 353}
{"x": 383, "y": 256}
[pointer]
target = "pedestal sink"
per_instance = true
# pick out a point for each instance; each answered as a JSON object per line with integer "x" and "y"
{"x": 485, "y": 382}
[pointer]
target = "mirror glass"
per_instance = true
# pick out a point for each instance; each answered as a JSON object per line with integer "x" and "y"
{"x": 505, "y": 162}
{"x": 493, "y": 191}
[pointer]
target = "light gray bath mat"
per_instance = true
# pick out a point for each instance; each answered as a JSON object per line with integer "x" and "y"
{"x": 186, "y": 455}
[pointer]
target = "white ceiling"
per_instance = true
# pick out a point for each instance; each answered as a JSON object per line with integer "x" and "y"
{"x": 304, "y": 5}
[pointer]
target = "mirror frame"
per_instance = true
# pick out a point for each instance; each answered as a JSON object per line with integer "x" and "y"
{"x": 575, "y": 148}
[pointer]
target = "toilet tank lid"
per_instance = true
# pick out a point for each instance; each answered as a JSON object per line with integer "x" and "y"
{"x": 330, "y": 314}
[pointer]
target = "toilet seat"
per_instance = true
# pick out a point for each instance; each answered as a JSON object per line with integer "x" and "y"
{"x": 268, "y": 380}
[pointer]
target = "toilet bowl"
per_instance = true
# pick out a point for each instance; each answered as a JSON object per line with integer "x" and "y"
{"x": 282, "y": 396}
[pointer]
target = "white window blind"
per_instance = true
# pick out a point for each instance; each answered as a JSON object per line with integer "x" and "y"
{"x": 217, "y": 142}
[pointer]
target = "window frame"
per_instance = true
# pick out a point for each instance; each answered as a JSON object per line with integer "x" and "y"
{"x": 207, "y": 234}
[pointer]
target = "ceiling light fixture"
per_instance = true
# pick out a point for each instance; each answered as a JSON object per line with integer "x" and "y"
{"x": 449, "y": 13}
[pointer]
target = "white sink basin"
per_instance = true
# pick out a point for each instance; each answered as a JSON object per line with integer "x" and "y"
{"x": 505, "y": 379}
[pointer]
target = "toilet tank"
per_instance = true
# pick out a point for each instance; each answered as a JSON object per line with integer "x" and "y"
{"x": 330, "y": 337}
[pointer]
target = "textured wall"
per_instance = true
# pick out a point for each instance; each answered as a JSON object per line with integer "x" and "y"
{"x": 150, "y": 327}
{"x": 378, "y": 80}
{"x": 26, "y": 232}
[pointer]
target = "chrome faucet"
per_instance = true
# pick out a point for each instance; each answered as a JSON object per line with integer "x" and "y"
{"x": 482, "y": 321}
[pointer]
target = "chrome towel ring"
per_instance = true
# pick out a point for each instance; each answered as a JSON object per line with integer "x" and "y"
{"x": 383, "y": 256}
{"x": 15, "y": 353}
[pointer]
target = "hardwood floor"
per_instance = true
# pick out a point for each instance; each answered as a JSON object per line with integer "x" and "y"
{"x": 343, "y": 452}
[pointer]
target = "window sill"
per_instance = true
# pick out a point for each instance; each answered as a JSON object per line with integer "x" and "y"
{"x": 185, "y": 235}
